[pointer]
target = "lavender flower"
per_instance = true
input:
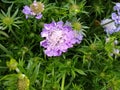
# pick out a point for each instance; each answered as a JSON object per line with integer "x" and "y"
{"x": 35, "y": 10}
{"x": 78, "y": 36}
{"x": 117, "y": 8}
{"x": 27, "y": 11}
{"x": 109, "y": 26}
{"x": 116, "y": 18}
{"x": 116, "y": 15}
{"x": 112, "y": 25}
{"x": 59, "y": 37}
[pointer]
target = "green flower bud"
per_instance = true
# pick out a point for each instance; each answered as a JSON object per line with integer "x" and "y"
{"x": 74, "y": 8}
{"x": 77, "y": 25}
{"x": 12, "y": 64}
{"x": 102, "y": 74}
{"x": 7, "y": 21}
{"x": 23, "y": 82}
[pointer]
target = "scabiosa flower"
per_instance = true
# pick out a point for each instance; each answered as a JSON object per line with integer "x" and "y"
{"x": 35, "y": 10}
{"x": 117, "y": 8}
{"x": 112, "y": 25}
{"x": 116, "y": 18}
{"x": 59, "y": 37}
{"x": 116, "y": 15}
{"x": 109, "y": 26}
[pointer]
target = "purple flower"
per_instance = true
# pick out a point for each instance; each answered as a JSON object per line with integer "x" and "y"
{"x": 116, "y": 15}
{"x": 34, "y": 10}
{"x": 26, "y": 10}
{"x": 59, "y": 37}
{"x": 109, "y": 26}
{"x": 39, "y": 16}
{"x": 116, "y": 18}
{"x": 78, "y": 36}
{"x": 117, "y": 8}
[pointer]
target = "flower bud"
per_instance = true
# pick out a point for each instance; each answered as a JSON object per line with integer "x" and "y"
{"x": 12, "y": 64}
{"x": 74, "y": 8}
{"x": 23, "y": 82}
{"x": 77, "y": 25}
{"x": 7, "y": 21}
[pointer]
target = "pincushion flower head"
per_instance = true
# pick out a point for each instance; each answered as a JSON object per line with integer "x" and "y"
{"x": 112, "y": 25}
{"x": 79, "y": 27}
{"x": 59, "y": 37}
{"x": 35, "y": 9}
{"x": 116, "y": 15}
{"x": 109, "y": 26}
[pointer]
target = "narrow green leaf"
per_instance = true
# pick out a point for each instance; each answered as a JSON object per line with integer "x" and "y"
{"x": 4, "y": 49}
{"x": 1, "y": 16}
{"x": 35, "y": 73}
{"x": 6, "y": 1}
{"x": 73, "y": 73}
{"x": 81, "y": 72}
{"x": 4, "y": 34}
{"x": 18, "y": 22}
{"x": 15, "y": 13}
{"x": 9, "y": 10}
{"x": 16, "y": 26}
{"x": 3, "y": 13}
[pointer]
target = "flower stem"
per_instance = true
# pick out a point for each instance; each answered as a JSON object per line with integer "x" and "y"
{"x": 43, "y": 83}
{"x": 63, "y": 82}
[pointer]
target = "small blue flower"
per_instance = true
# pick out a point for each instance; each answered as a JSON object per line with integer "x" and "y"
{"x": 117, "y": 8}
{"x": 109, "y": 26}
{"x": 34, "y": 10}
{"x": 26, "y": 11}
{"x": 116, "y": 18}
{"x": 116, "y": 15}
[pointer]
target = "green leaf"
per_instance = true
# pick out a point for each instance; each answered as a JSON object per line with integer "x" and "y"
{"x": 3, "y": 14}
{"x": 73, "y": 73}
{"x": 15, "y": 13}
{"x": 81, "y": 72}
{"x": 4, "y": 34}
{"x": 4, "y": 49}
{"x": 35, "y": 73}
{"x": 9, "y": 10}
{"x": 16, "y": 26}
{"x": 6, "y": 1}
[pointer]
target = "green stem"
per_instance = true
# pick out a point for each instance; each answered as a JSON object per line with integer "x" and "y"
{"x": 10, "y": 28}
{"x": 43, "y": 83}
{"x": 53, "y": 72}
{"x": 63, "y": 82}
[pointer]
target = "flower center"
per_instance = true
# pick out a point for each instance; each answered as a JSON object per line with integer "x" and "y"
{"x": 37, "y": 7}
{"x": 74, "y": 8}
{"x": 7, "y": 21}
{"x": 77, "y": 26}
{"x": 56, "y": 37}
